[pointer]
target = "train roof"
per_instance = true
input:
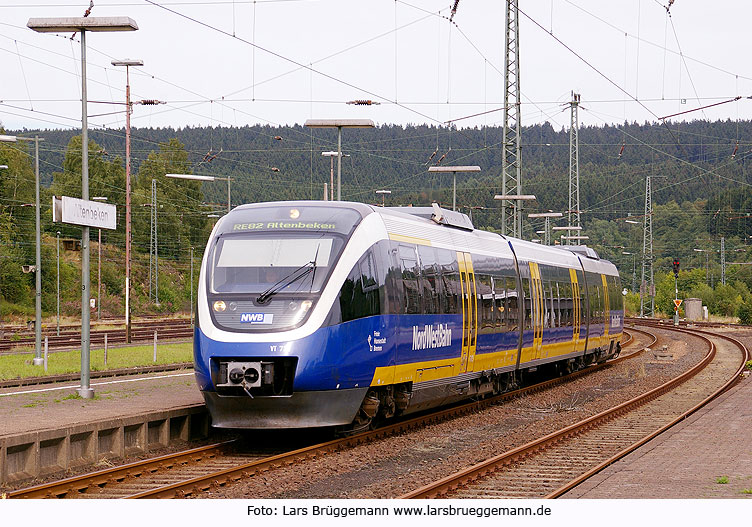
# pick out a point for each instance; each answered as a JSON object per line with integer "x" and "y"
{"x": 459, "y": 226}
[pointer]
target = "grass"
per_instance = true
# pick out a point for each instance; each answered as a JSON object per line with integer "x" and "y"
{"x": 748, "y": 365}
{"x": 746, "y": 491}
{"x": 722, "y": 480}
{"x": 19, "y": 366}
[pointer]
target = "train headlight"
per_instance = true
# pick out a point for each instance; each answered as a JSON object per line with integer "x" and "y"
{"x": 233, "y": 306}
{"x": 220, "y": 306}
{"x": 294, "y": 214}
{"x": 305, "y": 305}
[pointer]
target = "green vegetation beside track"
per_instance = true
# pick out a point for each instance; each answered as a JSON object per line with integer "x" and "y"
{"x": 20, "y": 366}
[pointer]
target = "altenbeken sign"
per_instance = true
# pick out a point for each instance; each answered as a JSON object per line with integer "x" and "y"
{"x": 81, "y": 212}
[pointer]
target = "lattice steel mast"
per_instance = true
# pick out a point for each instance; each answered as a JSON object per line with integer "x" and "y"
{"x": 511, "y": 178}
{"x": 153, "y": 251}
{"x": 723, "y": 260}
{"x": 573, "y": 216}
{"x": 647, "y": 252}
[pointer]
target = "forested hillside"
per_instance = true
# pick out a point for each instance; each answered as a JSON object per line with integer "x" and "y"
{"x": 698, "y": 170}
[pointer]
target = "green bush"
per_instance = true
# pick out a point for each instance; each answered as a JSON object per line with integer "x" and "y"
{"x": 744, "y": 312}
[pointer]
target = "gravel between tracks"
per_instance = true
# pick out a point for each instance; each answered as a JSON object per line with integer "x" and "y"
{"x": 393, "y": 466}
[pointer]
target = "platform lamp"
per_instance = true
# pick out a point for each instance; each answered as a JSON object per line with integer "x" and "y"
{"x": 518, "y": 199}
{"x": 2, "y": 167}
{"x": 205, "y": 178}
{"x": 454, "y": 171}
{"x": 331, "y": 156}
{"x": 383, "y": 196}
{"x": 37, "y": 360}
{"x": 339, "y": 124}
{"x": 99, "y": 265}
{"x": 127, "y": 63}
{"x": 547, "y": 216}
{"x": 83, "y": 25}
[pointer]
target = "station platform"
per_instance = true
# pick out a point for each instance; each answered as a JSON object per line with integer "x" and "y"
{"x": 708, "y": 455}
{"x": 46, "y": 429}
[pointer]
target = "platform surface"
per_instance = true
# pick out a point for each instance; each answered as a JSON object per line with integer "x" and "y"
{"x": 688, "y": 460}
{"x": 44, "y": 407}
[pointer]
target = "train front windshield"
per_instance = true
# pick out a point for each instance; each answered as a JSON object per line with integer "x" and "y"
{"x": 254, "y": 264}
{"x": 268, "y": 265}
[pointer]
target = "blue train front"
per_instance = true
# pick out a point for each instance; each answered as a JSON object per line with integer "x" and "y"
{"x": 316, "y": 314}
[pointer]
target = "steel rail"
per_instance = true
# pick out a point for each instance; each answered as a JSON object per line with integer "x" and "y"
{"x": 219, "y": 478}
{"x": 78, "y": 484}
{"x": 482, "y": 469}
{"x": 733, "y": 380}
{"x": 224, "y": 477}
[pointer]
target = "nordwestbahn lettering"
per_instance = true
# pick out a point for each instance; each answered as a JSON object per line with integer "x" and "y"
{"x": 429, "y": 338}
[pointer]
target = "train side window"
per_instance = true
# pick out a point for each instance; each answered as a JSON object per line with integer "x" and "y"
{"x": 431, "y": 286}
{"x": 450, "y": 281}
{"x": 557, "y": 304}
{"x": 550, "y": 304}
{"x": 355, "y": 300}
{"x": 499, "y": 306}
{"x": 545, "y": 312}
{"x": 512, "y": 304}
{"x": 527, "y": 323}
{"x": 368, "y": 273}
{"x": 614, "y": 293}
{"x": 484, "y": 292}
{"x": 565, "y": 302}
{"x": 392, "y": 279}
{"x": 410, "y": 275}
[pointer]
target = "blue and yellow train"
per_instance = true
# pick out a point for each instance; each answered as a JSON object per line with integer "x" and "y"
{"x": 315, "y": 314}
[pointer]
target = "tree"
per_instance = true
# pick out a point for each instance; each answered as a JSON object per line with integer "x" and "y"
{"x": 16, "y": 222}
{"x": 181, "y": 215}
{"x": 106, "y": 178}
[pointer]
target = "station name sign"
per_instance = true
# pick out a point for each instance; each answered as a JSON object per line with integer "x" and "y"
{"x": 82, "y": 212}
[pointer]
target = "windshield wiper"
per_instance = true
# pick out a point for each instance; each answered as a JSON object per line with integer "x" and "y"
{"x": 291, "y": 278}
{"x": 315, "y": 259}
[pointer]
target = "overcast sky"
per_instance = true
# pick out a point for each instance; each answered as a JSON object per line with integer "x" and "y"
{"x": 405, "y": 55}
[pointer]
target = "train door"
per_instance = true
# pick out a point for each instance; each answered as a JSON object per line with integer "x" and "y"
{"x": 576, "y": 309}
{"x": 606, "y": 313}
{"x": 536, "y": 309}
{"x": 469, "y": 312}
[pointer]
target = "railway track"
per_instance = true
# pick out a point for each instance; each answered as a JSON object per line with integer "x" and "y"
{"x": 556, "y": 463}
{"x": 198, "y": 470}
{"x": 71, "y": 338}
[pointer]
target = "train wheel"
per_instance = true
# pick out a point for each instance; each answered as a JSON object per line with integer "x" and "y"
{"x": 364, "y": 419}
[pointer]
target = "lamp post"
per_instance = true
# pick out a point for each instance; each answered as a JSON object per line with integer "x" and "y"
{"x": 707, "y": 263}
{"x": 383, "y": 195}
{"x": 454, "y": 171}
{"x": 83, "y": 25}
{"x": 38, "y": 360}
{"x": 128, "y": 110}
{"x": 205, "y": 178}
{"x": 518, "y": 199}
{"x": 192, "y": 324}
{"x": 547, "y": 216}
{"x": 331, "y": 156}
{"x": 569, "y": 228}
{"x": 58, "y": 283}
{"x": 339, "y": 124}
{"x": 2, "y": 167}
{"x": 99, "y": 265}
{"x": 634, "y": 269}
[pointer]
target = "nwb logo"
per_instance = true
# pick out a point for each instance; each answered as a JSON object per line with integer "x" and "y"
{"x": 256, "y": 318}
